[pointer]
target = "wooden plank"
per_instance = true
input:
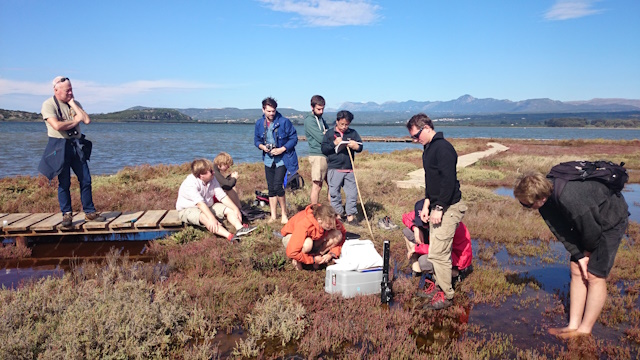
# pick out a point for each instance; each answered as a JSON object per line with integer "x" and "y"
{"x": 11, "y": 218}
{"x": 150, "y": 219}
{"x": 126, "y": 220}
{"x": 3, "y": 215}
{"x": 96, "y": 225}
{"x": 76, "y": 223}
{"x": 24, "y": 224}
{"x": 171, "y": 219}
{"x": 48, "y": 224}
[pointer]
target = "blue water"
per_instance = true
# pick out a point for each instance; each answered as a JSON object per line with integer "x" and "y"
{"x": 116, "y": 145}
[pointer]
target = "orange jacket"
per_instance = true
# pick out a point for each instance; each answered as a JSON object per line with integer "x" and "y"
{"x": 303, "y": 225}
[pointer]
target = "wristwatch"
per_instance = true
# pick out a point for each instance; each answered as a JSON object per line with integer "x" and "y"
{"x": 438, "y": 208}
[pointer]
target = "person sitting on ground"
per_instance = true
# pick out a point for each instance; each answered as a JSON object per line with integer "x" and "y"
{"x": 416, "y": 236}
{"x": 590, "y": 221}
{"x": 221, "y": 165}
{"x": 313, "y": 236}
{"x": 197, "y": 206}
{"x": 340, "y": 167}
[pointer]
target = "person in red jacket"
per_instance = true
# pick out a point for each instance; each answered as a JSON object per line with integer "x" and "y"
{"x": 416, "y": 236}
{"x": 313, "y": 236}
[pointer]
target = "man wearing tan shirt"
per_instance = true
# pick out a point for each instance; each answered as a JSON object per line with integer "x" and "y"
{"x": 67, "y": 149}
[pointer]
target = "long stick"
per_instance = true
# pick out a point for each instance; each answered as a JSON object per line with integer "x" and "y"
{"x": 359, "y": 194}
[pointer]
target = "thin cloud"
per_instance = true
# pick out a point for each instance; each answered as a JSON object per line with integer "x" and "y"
{"x": 90, "y": 89}
{"x": 328, "y": 13}
{"x": 571, "y": 9}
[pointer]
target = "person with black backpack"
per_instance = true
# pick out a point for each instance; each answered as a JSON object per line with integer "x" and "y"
{"x": 590, "y": 219}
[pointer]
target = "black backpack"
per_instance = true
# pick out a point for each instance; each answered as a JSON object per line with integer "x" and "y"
{"x": 606, "y": 172}
{"x": 295, "y": 182}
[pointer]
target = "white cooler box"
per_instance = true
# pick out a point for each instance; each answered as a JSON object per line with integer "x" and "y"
{"x": 350, "y": 283}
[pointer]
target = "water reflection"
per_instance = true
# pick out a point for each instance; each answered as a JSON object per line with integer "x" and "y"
{"x": 53, "y": 255}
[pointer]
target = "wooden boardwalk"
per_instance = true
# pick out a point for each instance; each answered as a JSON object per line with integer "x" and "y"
{"x": 43, "y": 224}
{"x": 405, "y": 139}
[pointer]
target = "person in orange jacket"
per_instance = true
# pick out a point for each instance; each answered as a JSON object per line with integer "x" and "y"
{"x": 313, "y": 236}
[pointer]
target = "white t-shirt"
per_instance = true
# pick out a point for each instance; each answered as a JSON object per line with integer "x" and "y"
{"x": 194, "y": 191}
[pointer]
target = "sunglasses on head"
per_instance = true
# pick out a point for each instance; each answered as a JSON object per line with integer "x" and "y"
{"x": 61, "y": 80}
{"x": 416, "y": 136}
{"x": 528, "y": 206}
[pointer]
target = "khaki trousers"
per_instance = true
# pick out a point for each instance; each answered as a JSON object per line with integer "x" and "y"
{"x": 440, "y": 242}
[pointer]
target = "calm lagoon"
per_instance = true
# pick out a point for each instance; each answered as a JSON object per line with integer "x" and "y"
{"x": 116, "y": 145}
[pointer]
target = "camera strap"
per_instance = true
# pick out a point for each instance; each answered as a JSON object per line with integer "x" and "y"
{"x": 70, "y": 132}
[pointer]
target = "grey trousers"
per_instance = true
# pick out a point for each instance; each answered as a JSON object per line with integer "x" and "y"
{"x": 346, "y": 180}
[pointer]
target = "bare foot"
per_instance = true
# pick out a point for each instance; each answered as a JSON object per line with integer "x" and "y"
{"x": 571, "y": 335}
{"x": 296, "y": 265}
{"x": 271, "y": 220}
{"x": 558, "y": 331}
{"x": 284, "y": 220}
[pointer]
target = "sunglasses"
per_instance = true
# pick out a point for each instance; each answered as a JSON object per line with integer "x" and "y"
{"x": 528, "y": 206}
{"x": 61, "y": 81}
{"x": 416, "y": 136}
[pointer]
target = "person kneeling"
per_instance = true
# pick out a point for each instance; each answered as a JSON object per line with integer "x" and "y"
{"x": 313, "y": 236}
{"x": 196, "y": 203}
{"x": 416, "y": 236}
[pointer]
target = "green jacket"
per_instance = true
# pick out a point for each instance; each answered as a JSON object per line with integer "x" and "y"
{"x": 313, "y": 129}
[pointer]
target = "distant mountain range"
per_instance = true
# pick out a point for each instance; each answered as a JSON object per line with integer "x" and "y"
{"x": 468, "y": 105}
{"x": 465, "y": 110}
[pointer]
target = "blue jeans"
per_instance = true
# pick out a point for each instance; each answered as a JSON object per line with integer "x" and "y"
{"x": 73, "y": 161}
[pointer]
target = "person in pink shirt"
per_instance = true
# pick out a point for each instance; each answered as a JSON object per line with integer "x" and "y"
{"x": 416, "y": 236}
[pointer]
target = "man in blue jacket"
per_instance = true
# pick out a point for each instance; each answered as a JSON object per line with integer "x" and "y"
{"x": 67, "y": 150}
{"x": 277, "y": 138}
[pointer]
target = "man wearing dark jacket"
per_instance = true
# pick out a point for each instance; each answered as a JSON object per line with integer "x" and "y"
{"x": 336, "y": 144}
{"x": 590, "y": 220}
{"x": 442, "y": 208}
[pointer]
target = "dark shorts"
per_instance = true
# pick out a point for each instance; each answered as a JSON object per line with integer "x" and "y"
{"x": 602, "y": 259}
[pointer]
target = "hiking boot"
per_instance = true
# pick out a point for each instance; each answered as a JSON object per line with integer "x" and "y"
{"x": 383, "y": 224}
{"x": 67, "y": 219}
{"x": 438, "y": 302}
{"x": 245, "y": 229}
{"x": 429, "y": 290}
{"x": 94, "y": 216}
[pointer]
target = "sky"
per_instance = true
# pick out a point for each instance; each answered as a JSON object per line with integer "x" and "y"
{"x": 217, "y": 53}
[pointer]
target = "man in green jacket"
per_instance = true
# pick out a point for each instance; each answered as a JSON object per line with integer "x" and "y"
{"x": 314, "y": 128}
